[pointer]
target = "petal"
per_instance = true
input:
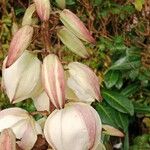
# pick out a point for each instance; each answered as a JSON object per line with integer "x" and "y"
{"x": 7, "y": 140}
{"x": 92, "y": 122}
{"x": 72, "y": 42}
{"x": 42, "y": 102}
{"x": 28, "y": 139}
{"x": 31, "y": 77}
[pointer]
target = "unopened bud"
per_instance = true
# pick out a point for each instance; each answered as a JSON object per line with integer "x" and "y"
{"x": 43, "y": 9}
{"x": 72, "y": 42}
{"x": 19, "y": 43}
{"x": 54, "y": 80}
{"x": 75, "y": 25}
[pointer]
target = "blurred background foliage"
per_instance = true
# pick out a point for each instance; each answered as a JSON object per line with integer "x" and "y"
{"x": 121, "y": 59}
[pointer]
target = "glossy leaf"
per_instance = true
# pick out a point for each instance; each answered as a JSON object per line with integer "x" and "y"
{"x": 118, "y": 101}
{"x": 111, "y": 78}
{"x": 125, "y": 64}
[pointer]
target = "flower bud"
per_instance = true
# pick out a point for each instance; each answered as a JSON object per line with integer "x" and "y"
{"x": 22, "y": 124}
{"x": 53, "y": 80}
{"x": 27, "y": 18}
{"x": 84, "y": 82}
{"x": 19, "y": 43}
{"x": 7, "y": 140}
{"x": 74, "y": 24}
{"x": 20, "y": 79}
{"x": 61, "y": 3}
{"x": 76, "y": 127}
{"x": 43, "y": 9}
{"x": 112, "y": 131}
{"x": 72, "y": 42}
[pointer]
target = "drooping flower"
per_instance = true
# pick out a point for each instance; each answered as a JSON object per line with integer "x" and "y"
{"x": 19, "y": 43}
{"x": 76, "y": 127}
{"x": 72, "y": 42}
{"x": 74, "y": 24}
{"x": 23, "y": 125}
{"x": 84, "y": 82}
{"x": 53, "y": 80}
{"x": 22, "y": 77}
{"x": 43, "y": 9}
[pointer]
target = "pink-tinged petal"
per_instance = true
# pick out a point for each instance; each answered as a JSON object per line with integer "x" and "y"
{"x": 72, "y": 42}
{"x": 112, "y": 131}
{"x": 84, "y": 82}
{"x": 92, "y": 122}
{"x": 27, "y": 18}
{"x": 53, "y": 80}
{"x": 7, "y": 140}
{"x": 89, "y": 122}
{"x": 74, "y": 24}
{"x": 28, "y": 138}
{"x": 43, "y": 9}
{"x": 19, "y": 43}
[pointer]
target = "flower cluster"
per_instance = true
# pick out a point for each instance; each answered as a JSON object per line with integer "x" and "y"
{"x": 74, "y": 124}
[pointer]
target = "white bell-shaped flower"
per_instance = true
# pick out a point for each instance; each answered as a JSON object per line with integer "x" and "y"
{"x": 23, "y": 125}
{"x": 22, "y": 77}
{"x": 76, "y": 127}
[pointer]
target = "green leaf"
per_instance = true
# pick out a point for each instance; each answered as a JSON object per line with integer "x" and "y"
{"x": 122, "y": 120}
{"x": 104, "y": 112}
{"x": 111, "y": 117}
{"x": 141, "y": 108}
{"x": 118, "y": 101}
{"x": 111, "y": 78}
{"x": 130, "y": 89}
{"x": 125, "y": 64}
{"x": 138, "y": 4}
{"x": 96, "y": 2}
{"x": 119, "y": 82}
{"x": 70, "y": 2}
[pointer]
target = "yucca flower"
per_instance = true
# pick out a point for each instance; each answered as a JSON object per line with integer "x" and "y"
{"x": 76, "y": 127}
{"x": 22, "y": 124}
{"x": 23, "y": 78}
{"x": 53, "y": 80}
{"x": 84, "y": 82}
